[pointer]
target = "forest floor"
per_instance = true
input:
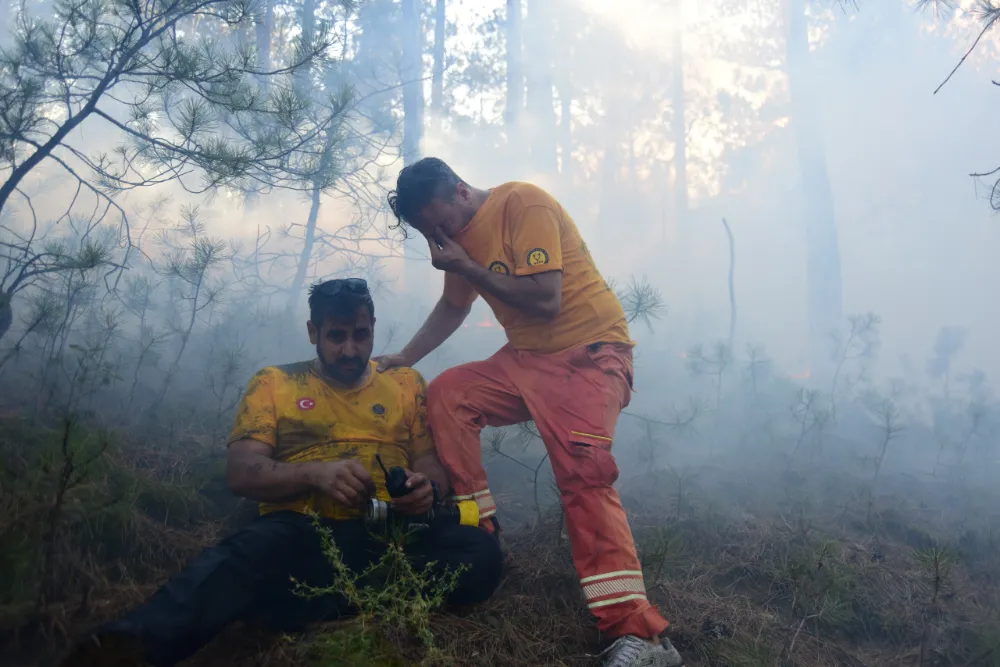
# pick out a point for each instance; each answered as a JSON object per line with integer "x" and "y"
{"x": 754, "y": 568}
{"x": 837, "y": 586}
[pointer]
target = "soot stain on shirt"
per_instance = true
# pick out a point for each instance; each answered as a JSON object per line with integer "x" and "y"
{"x": 298, "y": 372}
{"x": 349, "y": 453}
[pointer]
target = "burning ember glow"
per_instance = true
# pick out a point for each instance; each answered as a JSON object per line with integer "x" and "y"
{"x": 486, "y": 323}
{"x": 805, "y": 375}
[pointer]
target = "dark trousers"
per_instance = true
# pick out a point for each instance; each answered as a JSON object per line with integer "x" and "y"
{"x": 247, "y": 577}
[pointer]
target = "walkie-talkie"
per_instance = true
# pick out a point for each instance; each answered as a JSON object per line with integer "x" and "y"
{"x": 395, "y": 479}
{"x": 465, "y": 512}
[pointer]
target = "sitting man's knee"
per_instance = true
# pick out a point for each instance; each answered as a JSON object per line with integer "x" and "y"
{"x": 483, "y": 559}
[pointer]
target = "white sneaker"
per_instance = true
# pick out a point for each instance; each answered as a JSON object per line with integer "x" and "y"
{"x": 631, "y": 651}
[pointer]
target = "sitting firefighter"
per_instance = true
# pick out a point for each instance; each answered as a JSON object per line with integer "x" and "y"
{"x": 310, "y": 437}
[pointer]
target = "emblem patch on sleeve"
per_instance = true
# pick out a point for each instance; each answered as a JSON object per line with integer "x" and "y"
{"x": 538, "y": 257}
{"x": 499, "y": 267}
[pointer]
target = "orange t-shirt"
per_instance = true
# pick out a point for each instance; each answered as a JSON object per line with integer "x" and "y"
{"x": 522, "y": 230}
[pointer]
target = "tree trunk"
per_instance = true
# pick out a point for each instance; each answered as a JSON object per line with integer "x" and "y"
{"x": 416, "y": 268}
{"x": 299, "y": 282}
{"x": 264, "y": 24}
{"x": 411, "y": 74}
{"x": 437, "y": 82}
{"x": 823, "y": 280}
{"x": 610, "y": 195}
{"x": 680, "y": 181}
{"x": 264, "y": 28}
{"x": 515, "y": 71}
{"x": 543, "y": 137}
{"x": 6, "y": 313}
{"x": 308, "y": 19}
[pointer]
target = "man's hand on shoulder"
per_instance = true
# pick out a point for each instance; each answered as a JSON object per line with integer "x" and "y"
{"x": 347, "y": 482}
{"x": 387, "y": 361}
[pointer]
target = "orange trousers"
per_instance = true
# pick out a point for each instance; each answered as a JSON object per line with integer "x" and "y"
{"x": 574, "y": 398}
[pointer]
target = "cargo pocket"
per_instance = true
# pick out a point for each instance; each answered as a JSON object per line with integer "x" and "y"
{"x": 593, "y": 463}
{"x": 614, "y": 360}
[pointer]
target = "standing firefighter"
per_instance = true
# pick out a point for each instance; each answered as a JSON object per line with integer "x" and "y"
{"x": 567, "y": 366}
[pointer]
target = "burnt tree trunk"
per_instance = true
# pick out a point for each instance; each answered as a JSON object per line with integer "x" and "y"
{"x": 308, "y": 20}
{"x": 437, "y": 81}
{"x": 6, "y": 313}
{"x": 823, "y": 278}
{"x": 416, "y": 268}
{"x": 541, "y": 119}
{"x": 679, "y": 185}
{"x": 264, "y": 26}
{"x": 411, "y": 75}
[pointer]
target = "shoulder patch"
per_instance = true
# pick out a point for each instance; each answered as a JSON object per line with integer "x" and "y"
{"x": 537, "y": 257}
{"x": 499, "y": 267}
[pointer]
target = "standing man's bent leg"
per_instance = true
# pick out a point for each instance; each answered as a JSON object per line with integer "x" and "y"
{"x": 461, "y": 402}
{"x": 575, "y": 398}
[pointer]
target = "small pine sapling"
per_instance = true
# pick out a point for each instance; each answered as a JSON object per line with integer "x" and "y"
{"x": 641, "y": 300}
{"x": 714, "y": 363}
{"x": 527, "y": 433}
{"x": 659, "y": 550}
{"x": 41, "y": 317}
{"x": 391, "y": 590}
{"x": 936, "y": 562}
{"x": 887, "y": 415}
{"x": 810, "y": 415}
{"x": 859, "y": 345}
{"x": 949, "y": 342}
{"x": 682, "y": 421}
{"x": 224, "y": 373}
{"x": 821, "y": 587}
{"x": 73, "y": 464}
{"x": 684, "y": 478}
{"x": 191, "y": 269}
{"x": 92, "y": 370}
{"x": 758, "y": 366}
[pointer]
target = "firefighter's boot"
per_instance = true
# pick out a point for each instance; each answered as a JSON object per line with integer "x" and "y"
{"x": 631, "y": 651}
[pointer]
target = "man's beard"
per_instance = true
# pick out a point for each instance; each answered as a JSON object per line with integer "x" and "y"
{"x": 346, "y": 370}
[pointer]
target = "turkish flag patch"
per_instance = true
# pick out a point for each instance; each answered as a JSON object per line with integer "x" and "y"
{"x": 306, "y": 404}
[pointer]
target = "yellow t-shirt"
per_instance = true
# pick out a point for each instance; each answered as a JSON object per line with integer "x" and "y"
{"x": 522, "y": 230}
{"x": 298, "y": 413}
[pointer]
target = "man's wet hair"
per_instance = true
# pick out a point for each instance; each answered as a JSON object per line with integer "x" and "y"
{"x": 417, "y": 185}
{"x": 339, "y": 300}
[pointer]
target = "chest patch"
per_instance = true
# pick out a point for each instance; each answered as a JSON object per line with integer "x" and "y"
{"x": 306, "y": 404}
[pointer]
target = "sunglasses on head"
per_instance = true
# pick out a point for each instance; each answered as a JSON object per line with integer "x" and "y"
{"x": 335, "y": 287}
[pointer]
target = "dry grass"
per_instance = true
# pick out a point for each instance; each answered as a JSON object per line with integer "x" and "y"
{"x": 751, "y": 570}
